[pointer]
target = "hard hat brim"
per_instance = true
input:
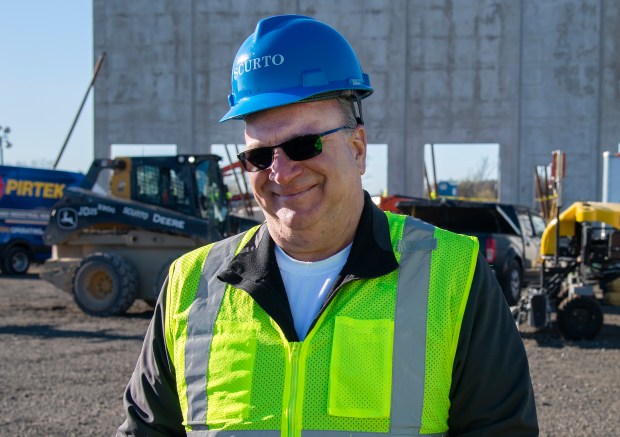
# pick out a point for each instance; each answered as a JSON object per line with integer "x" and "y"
{"x": 265, "y": 101}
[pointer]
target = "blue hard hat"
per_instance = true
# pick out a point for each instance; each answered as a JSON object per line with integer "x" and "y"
{"x": 291, "y": 58}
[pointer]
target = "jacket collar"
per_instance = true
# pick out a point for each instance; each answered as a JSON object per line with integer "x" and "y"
{"x": 255, "y": 269}
{"x": 371, "y": 254}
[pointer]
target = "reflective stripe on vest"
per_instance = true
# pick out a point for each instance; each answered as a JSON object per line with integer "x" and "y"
{"x": 259, "y": 433}
{"x": 413, "y": 250}
{"x": 408, "y": 366}
{"x": 200, "y": 329}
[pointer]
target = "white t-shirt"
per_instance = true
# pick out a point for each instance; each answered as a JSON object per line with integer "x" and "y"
{"x": 307, "y": 285}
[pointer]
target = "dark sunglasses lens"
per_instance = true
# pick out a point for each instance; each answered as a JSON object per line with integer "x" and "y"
{"x": 304, "y": 147}
{"x": 258, "y": 159}
{"x": 297, "y": 149}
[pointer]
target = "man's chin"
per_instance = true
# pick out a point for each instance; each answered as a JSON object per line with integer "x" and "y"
{"x": 294, "y": 219}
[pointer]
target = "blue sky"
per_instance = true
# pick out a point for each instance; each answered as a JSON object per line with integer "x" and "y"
{"x": 47, "y": 64}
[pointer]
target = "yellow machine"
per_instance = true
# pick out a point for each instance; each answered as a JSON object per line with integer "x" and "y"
{"x": 579, "y": 212}
{"x": 112, "y": 247}
{"x": 580, "y": 256}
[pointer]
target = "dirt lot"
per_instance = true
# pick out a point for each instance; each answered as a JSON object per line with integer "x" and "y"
{"x": 63, "y": 373}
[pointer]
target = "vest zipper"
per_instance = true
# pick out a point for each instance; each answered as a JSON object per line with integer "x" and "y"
{"x": 291, "y": 409}
{"x": 295, "y": 382}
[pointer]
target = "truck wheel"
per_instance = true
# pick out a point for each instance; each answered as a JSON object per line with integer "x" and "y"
{"x": 16, "y": 261}
{"x": 512, "y": 283}
{"x": 104, "y": 284}
{"x": 579, "y": 317}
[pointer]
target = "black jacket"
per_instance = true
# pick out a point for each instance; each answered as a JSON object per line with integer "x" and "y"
{"x": 491, "y": 391}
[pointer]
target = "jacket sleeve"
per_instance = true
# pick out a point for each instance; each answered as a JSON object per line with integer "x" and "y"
{"x": 491, "y": 392}
{"x": 151, "y": 401}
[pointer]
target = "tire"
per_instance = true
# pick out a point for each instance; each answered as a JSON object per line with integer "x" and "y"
{"x": 513, "y": 282}
{"x": 579, "y": 317}
{"x": 104, "y": 284}
{"x": 16, "y": 261}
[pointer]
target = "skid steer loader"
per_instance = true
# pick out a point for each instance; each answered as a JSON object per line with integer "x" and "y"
{"x": 580, "y": 256}
{"x": 111, "y": 248}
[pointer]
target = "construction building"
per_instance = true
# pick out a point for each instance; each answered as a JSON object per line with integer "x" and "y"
{"x": 530, "y": 75}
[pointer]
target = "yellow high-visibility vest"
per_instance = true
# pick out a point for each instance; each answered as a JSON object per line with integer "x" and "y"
{"x": 378, "y": 360}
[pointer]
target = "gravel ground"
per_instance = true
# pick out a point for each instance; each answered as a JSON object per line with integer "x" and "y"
{"x": 64, "y": 373}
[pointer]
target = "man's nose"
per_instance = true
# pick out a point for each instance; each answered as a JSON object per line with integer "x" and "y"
{"x": 283, "y": 169}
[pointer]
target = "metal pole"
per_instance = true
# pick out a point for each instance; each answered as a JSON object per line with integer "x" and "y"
{"x": 248, "y": 209}
{"x": 548, "y": 201}
{"x": 92, "y": 82}
{"x": 245, "y": 184}
{"x": 434, "y": 168}
{"x": 428, "y": 184}
{"x": 539, "y": 191}
{"x": 4, "y": 142}
{"x": 558, "y": 189}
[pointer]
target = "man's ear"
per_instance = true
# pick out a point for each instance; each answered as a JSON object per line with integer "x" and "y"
{"x": 358, "y": 147}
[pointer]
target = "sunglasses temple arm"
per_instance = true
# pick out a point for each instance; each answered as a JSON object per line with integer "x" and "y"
{"x": 359, "y": 117}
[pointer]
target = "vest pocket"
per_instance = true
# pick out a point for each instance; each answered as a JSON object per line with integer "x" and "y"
{"x": 360, "y": 380}
{"x": 229, "y": 379}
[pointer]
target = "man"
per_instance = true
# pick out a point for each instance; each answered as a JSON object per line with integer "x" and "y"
{"x": 332, "y": 318}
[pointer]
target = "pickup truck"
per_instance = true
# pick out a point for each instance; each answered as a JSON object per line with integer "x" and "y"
{"x": 509, "y": 235}
{"x": 26, "y": 198}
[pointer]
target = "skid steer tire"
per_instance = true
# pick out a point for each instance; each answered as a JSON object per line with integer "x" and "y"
{"x": 104, "y": 284}
{"x": 16, "y": 261}
{"x": 579, "y": 317}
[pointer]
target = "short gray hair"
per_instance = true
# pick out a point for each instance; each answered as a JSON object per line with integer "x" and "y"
{"x": 348, "y": 111}
{"x": 346, "y": 99}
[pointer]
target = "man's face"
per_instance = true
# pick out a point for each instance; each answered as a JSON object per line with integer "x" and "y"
{"x": 316, "y": 193}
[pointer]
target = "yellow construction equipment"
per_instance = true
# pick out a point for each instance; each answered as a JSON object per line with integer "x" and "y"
{"x": 580, "y": 255}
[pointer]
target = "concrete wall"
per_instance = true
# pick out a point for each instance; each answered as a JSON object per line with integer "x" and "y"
{"x": 565, "y": 52}
{"x": 531, "y": 75}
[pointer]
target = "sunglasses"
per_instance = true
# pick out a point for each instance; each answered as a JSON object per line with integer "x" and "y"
{"x": 296, "y": 149}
